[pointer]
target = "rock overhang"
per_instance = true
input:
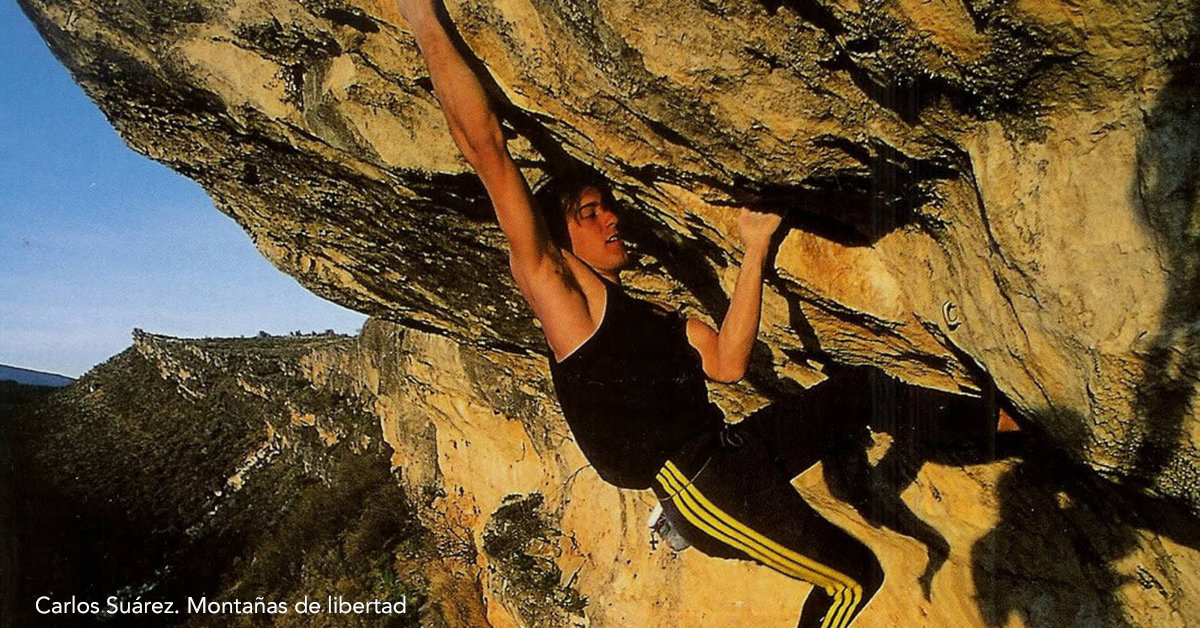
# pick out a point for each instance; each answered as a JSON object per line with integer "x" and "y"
{"x": 1022, "y": 165}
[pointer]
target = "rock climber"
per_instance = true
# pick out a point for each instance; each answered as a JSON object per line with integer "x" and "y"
{"x": 631, "y": 376}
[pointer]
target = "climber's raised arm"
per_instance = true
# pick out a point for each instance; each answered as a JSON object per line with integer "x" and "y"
{"x": 545, "y": 275}
{"x": 726, "y": 354}
{"x": 476, "y": 130}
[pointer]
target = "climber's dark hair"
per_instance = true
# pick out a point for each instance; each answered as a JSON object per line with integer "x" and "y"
{"x": 558, "y": 200}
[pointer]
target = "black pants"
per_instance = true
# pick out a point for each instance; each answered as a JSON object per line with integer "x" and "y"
{"x": 734, "y": 499}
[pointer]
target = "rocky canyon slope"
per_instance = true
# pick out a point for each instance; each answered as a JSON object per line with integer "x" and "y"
{"x": 981, "y": 192}
{"x": 402, "y": 464}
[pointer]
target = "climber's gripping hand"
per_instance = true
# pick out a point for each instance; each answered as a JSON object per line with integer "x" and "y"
{"x": 756, "y": 229}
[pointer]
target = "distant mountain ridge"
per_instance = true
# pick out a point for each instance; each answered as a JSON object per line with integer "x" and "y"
{"x": 31, "y": 377}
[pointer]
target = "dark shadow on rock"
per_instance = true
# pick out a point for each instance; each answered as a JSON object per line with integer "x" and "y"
{"x": 833, "y": 423}
{"x": 855, "y": 206}
{"x": 1167, "y": 191}
{"x": 1062, "y": 528}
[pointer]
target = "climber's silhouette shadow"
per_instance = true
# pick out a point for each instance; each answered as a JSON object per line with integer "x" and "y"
{"x": 833, "y": 423}
{"x": 1057, "y": 550}
{"x": 1062, "y": 529}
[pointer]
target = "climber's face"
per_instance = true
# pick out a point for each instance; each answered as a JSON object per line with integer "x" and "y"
{"x": 595, "y": 239}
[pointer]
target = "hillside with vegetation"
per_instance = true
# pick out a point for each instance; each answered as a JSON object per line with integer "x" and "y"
{"x": 244, "y": 483}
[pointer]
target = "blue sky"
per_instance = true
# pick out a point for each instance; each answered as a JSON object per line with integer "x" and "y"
{"x": 96, "y": 240}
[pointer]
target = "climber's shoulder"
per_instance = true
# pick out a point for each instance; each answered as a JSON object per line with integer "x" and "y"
{"x": 567, "y": 297}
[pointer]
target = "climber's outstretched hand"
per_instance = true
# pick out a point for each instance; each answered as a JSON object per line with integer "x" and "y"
{"x": 756, "y": 228}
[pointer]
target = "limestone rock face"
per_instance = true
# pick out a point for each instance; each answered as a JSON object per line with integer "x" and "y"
{"x": 979, "y": 189}
{"x": 1038, "y": 542}
{"x": 239, "y": 468}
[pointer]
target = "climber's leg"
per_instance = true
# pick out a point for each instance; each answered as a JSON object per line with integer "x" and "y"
{"x": 829, "y": 422}
{"x": 800, "y": 431}
{"x": 838, "y": 411}
{"x": 737, "y": 504}
{"x": 819, "y": 609}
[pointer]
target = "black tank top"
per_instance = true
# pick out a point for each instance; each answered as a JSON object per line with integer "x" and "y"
{"x": 634, "y": 393}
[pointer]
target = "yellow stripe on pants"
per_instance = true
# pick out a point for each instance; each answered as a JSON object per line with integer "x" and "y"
{"x": 706, "y": 516}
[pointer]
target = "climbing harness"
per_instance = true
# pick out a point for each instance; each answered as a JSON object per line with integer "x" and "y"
{"x": 659, "y": 523}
